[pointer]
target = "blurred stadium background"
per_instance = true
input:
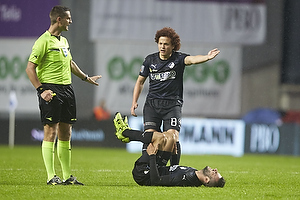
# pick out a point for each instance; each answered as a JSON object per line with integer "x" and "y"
{"x": 245, "y": 101}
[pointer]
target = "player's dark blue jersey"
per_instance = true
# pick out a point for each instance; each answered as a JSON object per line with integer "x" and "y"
{"x": 165, "y": 76}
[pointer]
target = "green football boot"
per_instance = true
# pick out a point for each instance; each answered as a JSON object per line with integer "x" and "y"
{"x": 121, "y": 125}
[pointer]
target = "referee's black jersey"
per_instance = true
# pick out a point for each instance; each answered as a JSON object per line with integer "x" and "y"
{"x": 165, "y": 176}
{"x": 165, "y": 76}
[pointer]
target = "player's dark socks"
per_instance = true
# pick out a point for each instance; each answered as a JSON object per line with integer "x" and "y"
{"x": 145, "y": 157}
{"x": 175, "y": 158}
{"x": 135, "y": 135}
{"x": 162, "y": 157}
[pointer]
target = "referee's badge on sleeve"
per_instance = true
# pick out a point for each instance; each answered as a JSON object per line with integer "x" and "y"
{"x": 65, "y": 51}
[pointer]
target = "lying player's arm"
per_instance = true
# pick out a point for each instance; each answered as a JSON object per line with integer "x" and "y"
{"x": 155, "y": 178}
{"x": 154, "y": 175}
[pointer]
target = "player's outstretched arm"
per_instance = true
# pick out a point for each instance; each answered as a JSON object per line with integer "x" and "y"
{"x": 190, "y": 60}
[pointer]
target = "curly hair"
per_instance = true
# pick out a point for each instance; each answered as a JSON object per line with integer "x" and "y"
{"x": 170, "y": 33}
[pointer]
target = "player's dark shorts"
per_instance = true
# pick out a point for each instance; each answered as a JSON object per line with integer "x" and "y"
{"x": 157, "y": 111}
{"x": 62, "y": 107}
{"x": 141, "y": 170}
{"x": 141, "y": 173}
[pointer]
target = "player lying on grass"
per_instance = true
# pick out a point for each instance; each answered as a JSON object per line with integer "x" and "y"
{"x": 151, "y": 169}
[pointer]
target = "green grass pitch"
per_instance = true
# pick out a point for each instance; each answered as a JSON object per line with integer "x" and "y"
{"x": 106, "y": 174}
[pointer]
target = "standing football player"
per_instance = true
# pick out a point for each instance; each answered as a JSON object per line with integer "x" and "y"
{"x": 165, "y": 96}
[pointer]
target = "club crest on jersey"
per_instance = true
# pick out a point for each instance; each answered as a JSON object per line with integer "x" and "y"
{"x": 171, "y": 65}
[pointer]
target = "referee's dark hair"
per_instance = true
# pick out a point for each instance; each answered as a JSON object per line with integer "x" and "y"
{"x": 57, "y": 11}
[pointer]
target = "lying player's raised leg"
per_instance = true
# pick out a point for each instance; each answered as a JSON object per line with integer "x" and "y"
{"x": 121, "y": 126}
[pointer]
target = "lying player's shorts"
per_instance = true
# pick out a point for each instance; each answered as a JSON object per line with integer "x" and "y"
{"x": 141, "y": 173}
{"x": 141, "y": 170}
{"x": 157, "y": 111}
{"x": 62, "y": 107}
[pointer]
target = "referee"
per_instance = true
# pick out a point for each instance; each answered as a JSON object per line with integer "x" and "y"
{"x": 49, "y": 69}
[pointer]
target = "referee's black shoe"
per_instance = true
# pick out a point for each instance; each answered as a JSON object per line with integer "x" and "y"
{"x": 54, "y": 181}
{"x": 72, "y": 181}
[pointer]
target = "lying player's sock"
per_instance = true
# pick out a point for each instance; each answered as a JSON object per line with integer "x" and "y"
{"x": 175, "y": 158}
{"x": 162, "y": 157}
{"x": 135, "y": 135}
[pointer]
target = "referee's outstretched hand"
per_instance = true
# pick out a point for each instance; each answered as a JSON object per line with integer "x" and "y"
{"x": 93, "y": 79}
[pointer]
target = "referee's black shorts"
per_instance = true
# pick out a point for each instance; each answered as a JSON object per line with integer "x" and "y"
{"x": 62, "y": 107}
{"x": 158, "y": 111}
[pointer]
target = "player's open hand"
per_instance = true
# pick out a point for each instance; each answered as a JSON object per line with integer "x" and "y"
{"x": 213, "y": 53}
{"x": 132, "y": 110}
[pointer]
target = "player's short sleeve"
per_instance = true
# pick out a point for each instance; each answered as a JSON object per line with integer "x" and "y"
{"x": 144, "y": 71}
{"x": 182, "y": 57}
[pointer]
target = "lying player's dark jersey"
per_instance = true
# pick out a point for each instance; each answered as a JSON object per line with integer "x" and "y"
{"x": 174, "y": 175}
{"x": 165, "y": 76}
